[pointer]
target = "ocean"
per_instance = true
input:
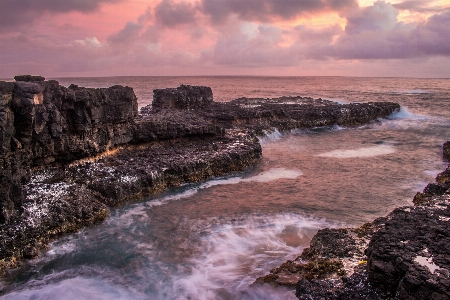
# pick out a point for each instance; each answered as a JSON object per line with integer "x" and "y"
{"x": 211, "y": 240}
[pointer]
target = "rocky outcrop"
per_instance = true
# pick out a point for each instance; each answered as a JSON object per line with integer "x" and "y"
{"x": 68, "y": 154}
{"x": 182, "y": 97}
{"x": 172, "y": 123}
{"x": 409, "y": 258}
{"x": 405, "y": 255}
{"x": 43, "y": 124}
{"x": 446, "y": 152}
{"x": 286, "y": 113}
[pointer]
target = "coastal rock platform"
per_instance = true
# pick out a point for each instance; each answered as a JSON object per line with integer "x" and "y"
{"x": 69, "y": 154}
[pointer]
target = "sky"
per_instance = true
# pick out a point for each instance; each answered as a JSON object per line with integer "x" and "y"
{"x": 87, "y": 38}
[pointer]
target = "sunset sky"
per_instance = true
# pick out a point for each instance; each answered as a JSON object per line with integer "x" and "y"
{"x": 56, "y": 38}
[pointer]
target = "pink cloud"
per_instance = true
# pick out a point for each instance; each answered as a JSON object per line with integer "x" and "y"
{"x": 18, "y": 13}
{"x": 175, "y": 37}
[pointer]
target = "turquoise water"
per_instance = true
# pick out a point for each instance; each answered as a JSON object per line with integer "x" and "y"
{"x": 213, "y": 239}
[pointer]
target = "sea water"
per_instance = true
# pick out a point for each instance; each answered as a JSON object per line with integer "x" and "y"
{"x": 211, "y": 240}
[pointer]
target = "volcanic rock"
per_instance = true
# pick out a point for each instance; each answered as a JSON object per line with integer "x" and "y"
{"x": 182, "y": 97}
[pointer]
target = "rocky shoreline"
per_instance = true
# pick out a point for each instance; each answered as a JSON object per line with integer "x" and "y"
{"x": 68, "y": 154}
{"x": 405, "y": 255}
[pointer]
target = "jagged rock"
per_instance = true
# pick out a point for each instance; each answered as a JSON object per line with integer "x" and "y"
{"x": 431, "y": 190}
{"x": 42, "y": 122}
{"x": 28, "y": 78}
{"x": 133, "y": 172}
{"x": 6, "y": 117}
{"x": 287, "y": 113}
{"x": 48, "y": 211}
{"x": 355, "y": 287}
{"x": 11, "y": 198}
{"x": 410, "y": 257}
{"x": 446, "y": 151}
{"x": 182, "y": 97}
{"x": 444, "y": 176}
{"x": 171, "y": 123}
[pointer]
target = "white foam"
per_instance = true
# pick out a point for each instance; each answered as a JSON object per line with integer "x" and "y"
{"x": 237, "y": 253}
{"x": 270, "y": 136}
{"x": 76, "y": 288}
{"x": 413, "y": 92}
{"x": 267, "y": 176}
{"x": 61, "y": 248}
{"x": 339, "y": 100}
{"x": 432, "y": 173}
{"x": 404, "y": 113}
{"x": 127, "y": 219}
{"x": 360, "y": 152}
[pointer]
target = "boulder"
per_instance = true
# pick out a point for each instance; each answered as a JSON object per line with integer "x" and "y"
{"x": 182, "y": 97}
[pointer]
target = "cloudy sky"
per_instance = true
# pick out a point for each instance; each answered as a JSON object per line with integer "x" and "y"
{"x": 56, "y": 38}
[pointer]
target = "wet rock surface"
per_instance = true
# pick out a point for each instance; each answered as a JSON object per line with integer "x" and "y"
{"x": 286, "y": 113}
{"x": 67, "y": 154}
{"x": 405, "y": 255}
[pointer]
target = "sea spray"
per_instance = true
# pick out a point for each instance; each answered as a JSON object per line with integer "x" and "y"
{"x": 235, "y": 253}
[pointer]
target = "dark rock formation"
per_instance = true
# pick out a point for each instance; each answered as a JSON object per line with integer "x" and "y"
{"x": 172, "y": 123}
{"x": 284, "y": 113}
{"x": 182, "y": 97}
{"x": 44, "y": 123}
{"x": 446, "y": 152}
{"x": 409, "y": 258}
{"x": 67, "y": 154}
{"x": 287, "y": 113}
{"x": 405, "y": 255}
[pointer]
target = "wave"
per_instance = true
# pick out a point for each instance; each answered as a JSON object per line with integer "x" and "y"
{"x": 232, "y": 253}
{"x": 188, "y": 191}
{"x": 238, "y": 252}
{"x": 267, "y": 176}
{"x": 360, "y": 152}
{"x": 270, "y": 136}
{"x": 404, "y": 113}
{"x": 76, "y": 288}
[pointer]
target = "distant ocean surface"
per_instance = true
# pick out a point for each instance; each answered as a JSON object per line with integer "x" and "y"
{"x": 211, "y": 240}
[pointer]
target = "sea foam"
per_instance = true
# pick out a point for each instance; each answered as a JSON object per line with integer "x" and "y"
{"x": 266, "y": 176}
{"x": 270, "y": 136}
{"x": 76, "y": 288}
{"x": 413, "y": 92}
{"x": 405, "y": 113}
{"x": 360, "y": 152}
{"x": 235, "y": 253}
